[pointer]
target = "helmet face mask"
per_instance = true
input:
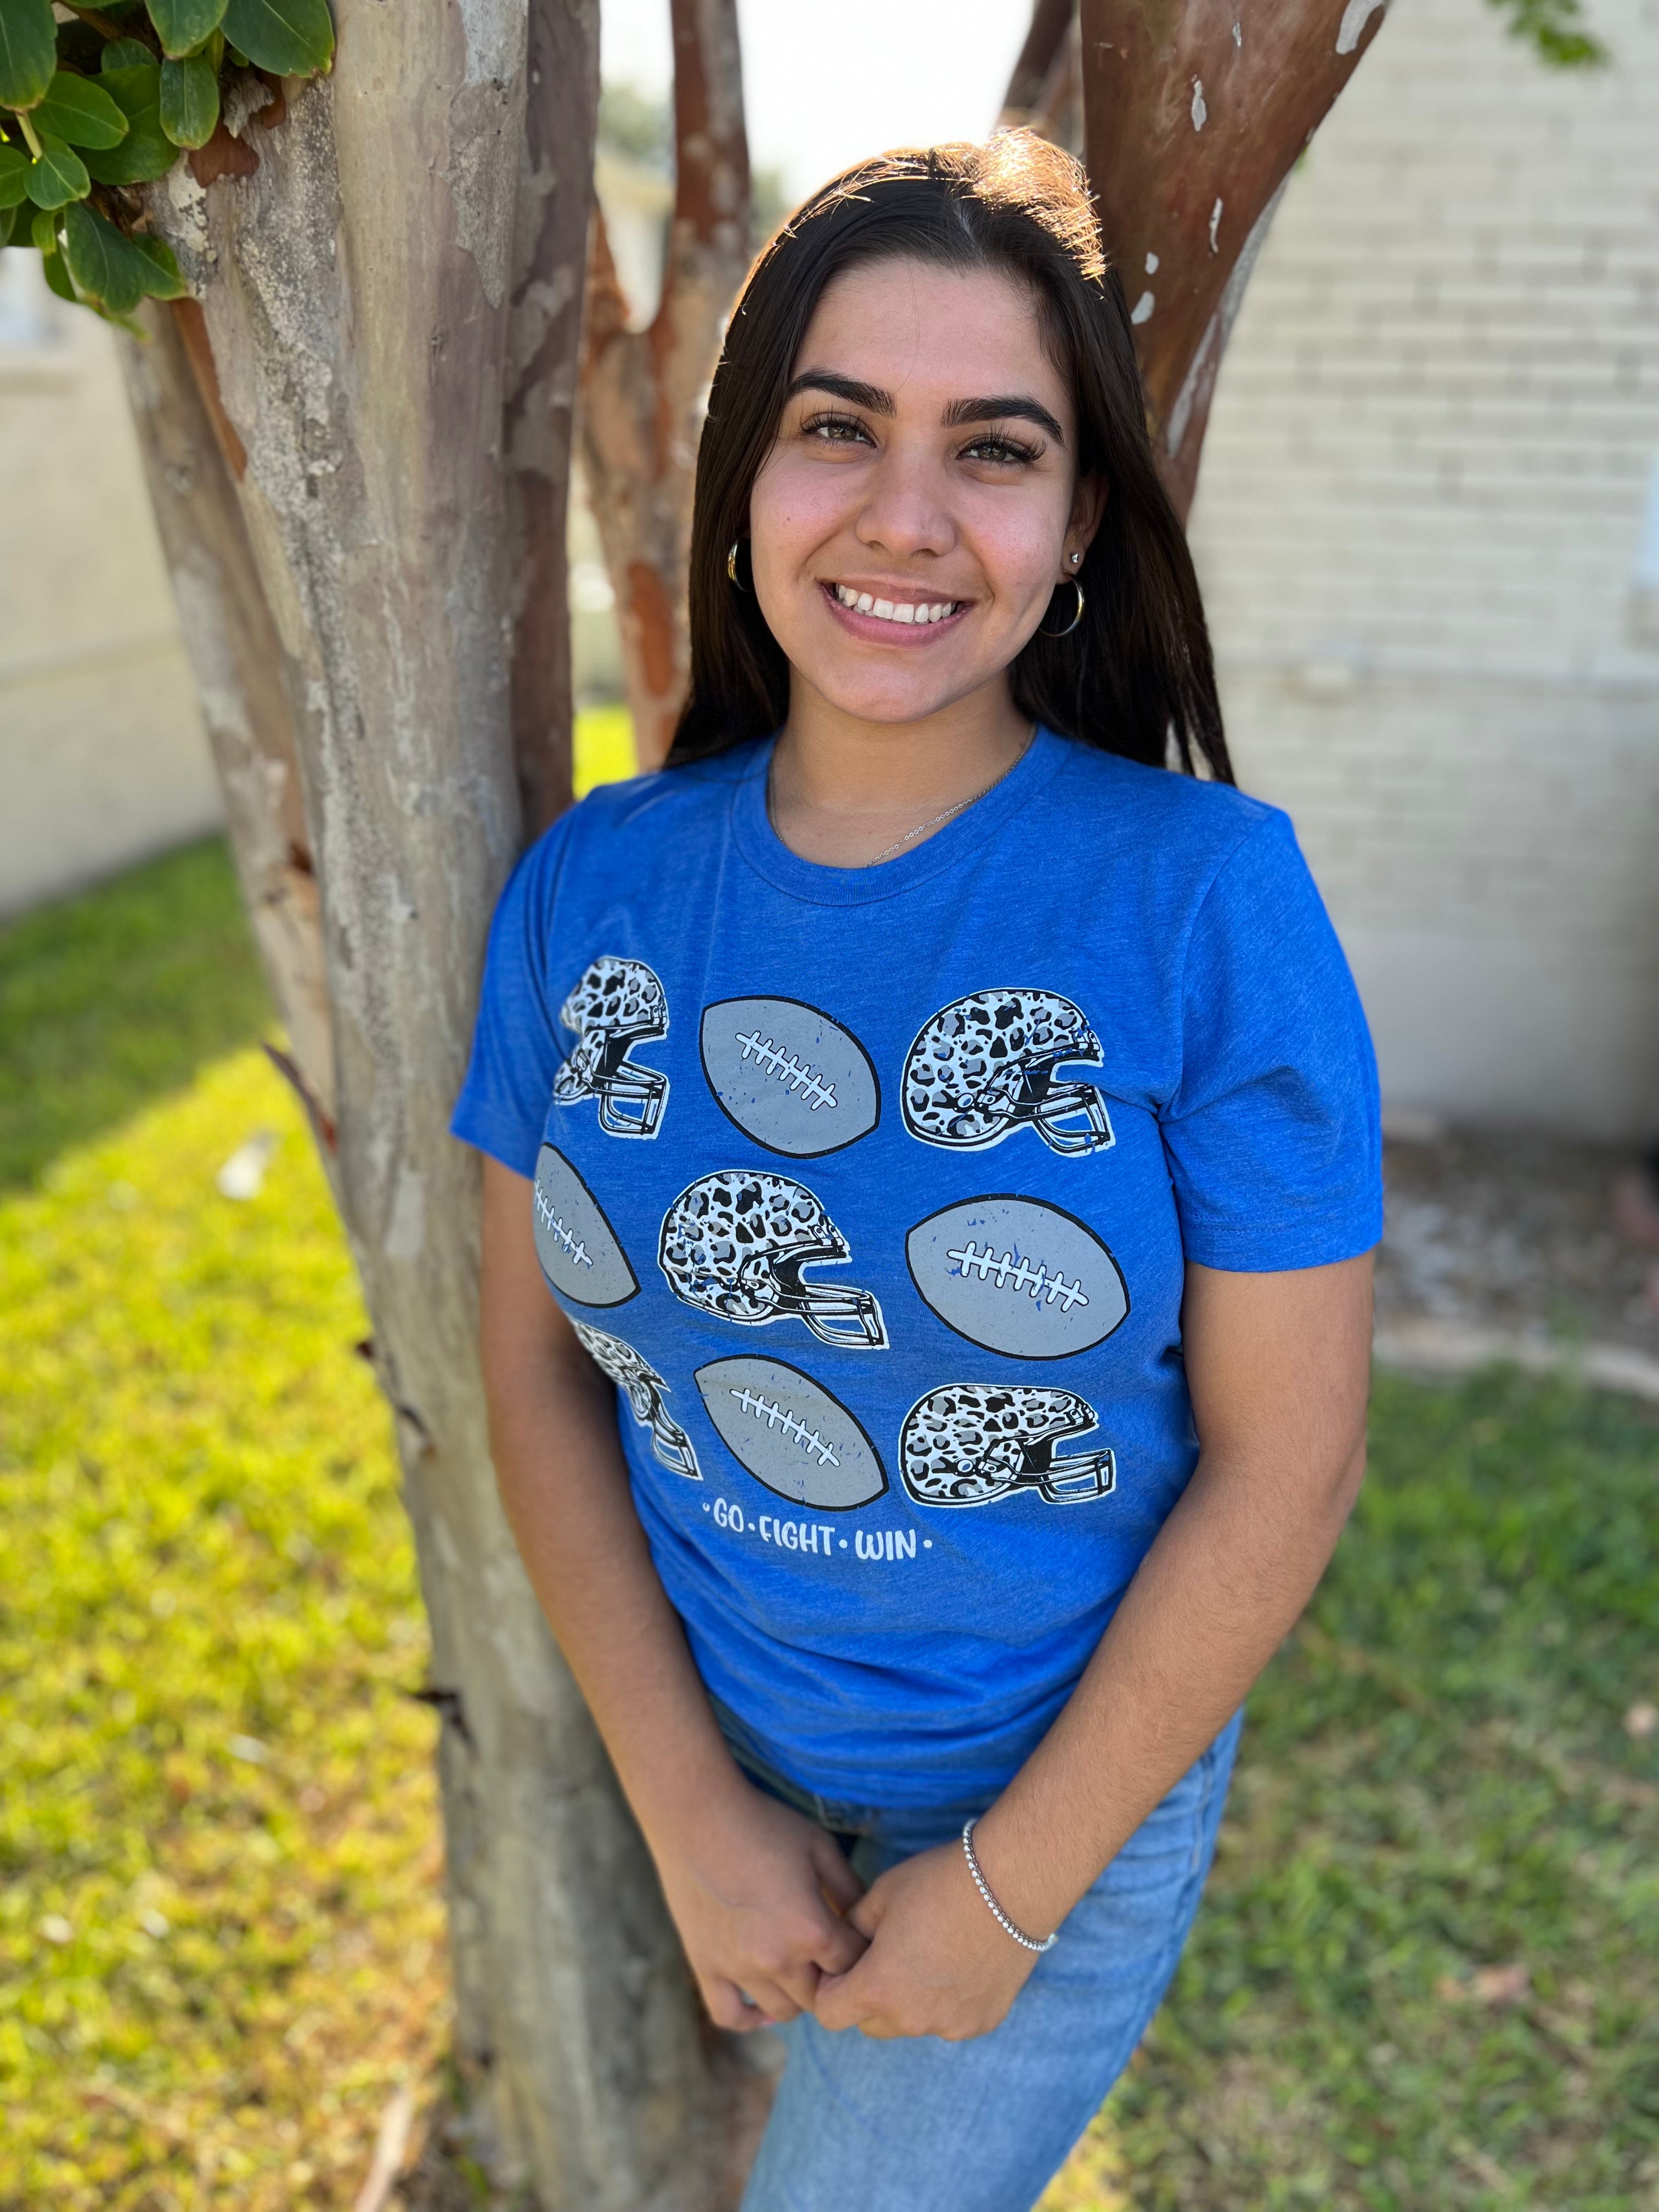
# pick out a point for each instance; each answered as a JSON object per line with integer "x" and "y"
{"x": 616, "y": 1004}
{"x": 971, "y": 1444}
{"x": 986, "y": 1065}
{"x": 734, "y": 1245}
{"x": 645, "y": 1390}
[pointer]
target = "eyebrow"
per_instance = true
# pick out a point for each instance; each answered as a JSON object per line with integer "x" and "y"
{"x": 999, "y": 408}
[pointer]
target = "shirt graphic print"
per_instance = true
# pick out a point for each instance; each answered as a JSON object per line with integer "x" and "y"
{"x": 873, "y": 1191}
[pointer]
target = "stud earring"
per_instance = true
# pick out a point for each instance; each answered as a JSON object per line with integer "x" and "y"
{"x": 1076, "y": 557}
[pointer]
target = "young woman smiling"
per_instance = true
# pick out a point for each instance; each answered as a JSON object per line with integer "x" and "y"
{"x": 949, "y": 1135}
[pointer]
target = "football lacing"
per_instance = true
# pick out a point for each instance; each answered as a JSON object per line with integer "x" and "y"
{"x": 777, "y": 1416}
{"x": 568, "y": 1237}
{"x": 793, "y": 1073}
{"x": 1017, "y": 1274}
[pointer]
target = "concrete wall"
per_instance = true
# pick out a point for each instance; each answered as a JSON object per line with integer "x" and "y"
{"x": 102, "y": 756}
{"x": 1420, "y": 530}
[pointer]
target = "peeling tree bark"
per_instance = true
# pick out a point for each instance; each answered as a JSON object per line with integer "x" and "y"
{"x": 1194, "y": 115}
{"x": 237, "y": 663}
{"x": 643, "y": 391}
{"x": 401, "y": 456}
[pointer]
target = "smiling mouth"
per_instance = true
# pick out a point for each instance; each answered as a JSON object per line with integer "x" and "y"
{"x": 912, "y": 613}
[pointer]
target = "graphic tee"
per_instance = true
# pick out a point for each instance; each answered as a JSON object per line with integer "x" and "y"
{"x": 870, "y": 1189}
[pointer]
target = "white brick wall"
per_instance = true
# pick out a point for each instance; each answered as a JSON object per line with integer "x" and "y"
{"x": 1418, "y": 523}
{"x": 103, "y": 758}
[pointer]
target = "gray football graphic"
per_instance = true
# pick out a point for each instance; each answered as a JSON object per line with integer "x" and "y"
{"x": 574, "y": 1242}
{"x": 791, "y": 1434}
{"x": 790, "y": 1077}
{"x": 1018, "y": 1276}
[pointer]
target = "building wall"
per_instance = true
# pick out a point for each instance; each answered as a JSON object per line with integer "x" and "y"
{"x": 1420, "y": 530}
{"x": 102, "y": 755}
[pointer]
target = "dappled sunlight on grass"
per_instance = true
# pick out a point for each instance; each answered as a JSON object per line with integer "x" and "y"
{"x": 221, "y": 1931}
{"x": 221, "y": 1927}
{"x": 112, "y": 1000}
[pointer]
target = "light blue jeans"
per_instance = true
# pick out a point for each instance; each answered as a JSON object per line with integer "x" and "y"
{"x": 923, "y": 2125}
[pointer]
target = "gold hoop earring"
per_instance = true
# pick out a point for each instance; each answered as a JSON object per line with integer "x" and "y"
{"x": 1076, "y": 618}
{"x": 731, "y": 565}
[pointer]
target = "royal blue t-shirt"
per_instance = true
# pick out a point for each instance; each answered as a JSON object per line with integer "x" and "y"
{"x": 871, "y": 1188}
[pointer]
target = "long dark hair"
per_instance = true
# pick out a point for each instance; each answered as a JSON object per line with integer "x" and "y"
{"x": 1136, "y": 677}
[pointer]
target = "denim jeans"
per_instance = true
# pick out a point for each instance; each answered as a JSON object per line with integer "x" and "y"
{"x": 922, "y": 2125}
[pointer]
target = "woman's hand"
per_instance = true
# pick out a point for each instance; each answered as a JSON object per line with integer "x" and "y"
{"x": 758, "y": 1895}
{"x": 938, "y": 1963}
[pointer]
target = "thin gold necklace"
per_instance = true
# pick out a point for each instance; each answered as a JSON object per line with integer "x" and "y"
{"x": 933, "y": 820}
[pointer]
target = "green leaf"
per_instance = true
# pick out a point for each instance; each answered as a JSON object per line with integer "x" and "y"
{"x": 289, "y": 38}
{"x": 126, "y": 53}
{"x": 43, "y": 234}
{"x": 162, "y": 280}
{"x": 8, "y": 221}
{"x": 28, "y": 50}
{"x": 105, "y": 265}
{"x": 52, "y": 266}
{"x": 57, "y": 177}
{"x": 182, "y": 25}
{"x": 80, "y": 112}
{"x": 190, "y": 101}
{"x": 1557, "y": 30}
{"x": 14, "y": 167}
{"x": 146, "y": 151}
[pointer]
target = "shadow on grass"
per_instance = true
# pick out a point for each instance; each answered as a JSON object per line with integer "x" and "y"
{"x": 113, "y": 998}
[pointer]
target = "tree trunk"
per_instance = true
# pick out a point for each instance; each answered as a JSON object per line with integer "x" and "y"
{"x": 1193, "y": 116}
{"x": 643, "y": 391}
{"x": 191, "y": 464}
{"x": 356, "y": 291}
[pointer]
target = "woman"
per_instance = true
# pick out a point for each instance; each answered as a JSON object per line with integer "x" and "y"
{"x": 954, "y": 1135}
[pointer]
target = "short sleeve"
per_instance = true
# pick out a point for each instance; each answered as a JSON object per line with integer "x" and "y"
{"x": 516, "y": 1047}
{"x": 1273, "y": 1133}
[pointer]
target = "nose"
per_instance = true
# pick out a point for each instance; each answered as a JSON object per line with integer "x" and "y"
{"x": 905, "y": 512}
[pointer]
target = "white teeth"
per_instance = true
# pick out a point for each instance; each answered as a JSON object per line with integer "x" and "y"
{"x": 888, "y": 611}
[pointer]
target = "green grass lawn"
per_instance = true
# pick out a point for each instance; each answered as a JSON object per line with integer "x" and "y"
{"x": 1425, "y": 1978}
{"x": 221, "y": 1935}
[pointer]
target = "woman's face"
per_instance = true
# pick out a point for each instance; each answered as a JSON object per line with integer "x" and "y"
{"x": 921, "y": 501}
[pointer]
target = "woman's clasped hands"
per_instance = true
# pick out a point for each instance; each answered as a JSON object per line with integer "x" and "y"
{"x": 775, "y": 1923}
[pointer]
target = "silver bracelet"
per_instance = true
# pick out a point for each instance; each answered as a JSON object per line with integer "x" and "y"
{"x": 984, "y": 1888}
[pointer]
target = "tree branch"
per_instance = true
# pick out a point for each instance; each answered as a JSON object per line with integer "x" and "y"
{"x": 1194, "y": 117}
{"x": 643, "y": 391}
{"x": 544, "y": 344}
{"x": 1023, "y": 102}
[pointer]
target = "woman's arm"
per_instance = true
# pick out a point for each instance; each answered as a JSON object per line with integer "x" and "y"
{"x": 745, "y": 1878}
{"x": 1279, "y": 1370}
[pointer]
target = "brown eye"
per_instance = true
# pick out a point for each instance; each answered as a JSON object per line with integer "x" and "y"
{"x": 836, "y": 429}
{"x": 1000, "y": 452}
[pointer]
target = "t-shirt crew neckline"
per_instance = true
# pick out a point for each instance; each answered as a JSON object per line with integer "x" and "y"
{"x": 770, "y": 858}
